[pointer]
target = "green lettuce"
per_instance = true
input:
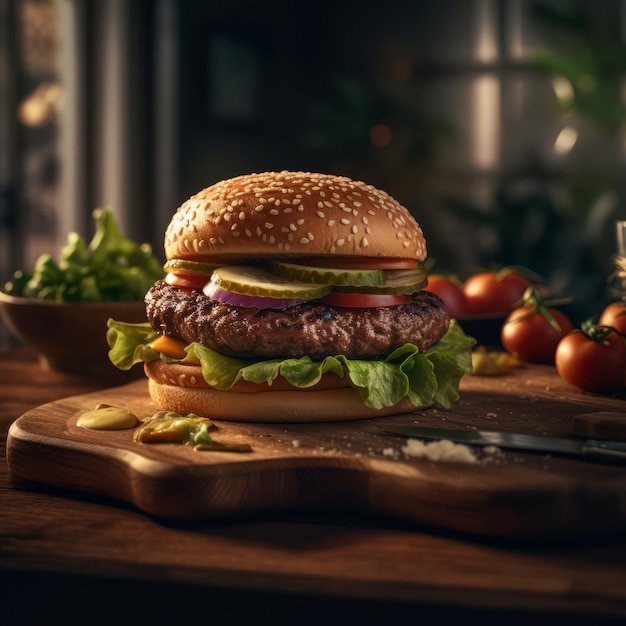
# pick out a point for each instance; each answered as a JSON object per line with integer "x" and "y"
{"x": 427, "y": 378}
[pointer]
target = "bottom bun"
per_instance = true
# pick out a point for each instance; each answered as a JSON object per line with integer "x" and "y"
{"x": 300, "y": 405}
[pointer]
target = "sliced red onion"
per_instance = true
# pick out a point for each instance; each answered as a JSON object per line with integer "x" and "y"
{"x": 228, "y": 297}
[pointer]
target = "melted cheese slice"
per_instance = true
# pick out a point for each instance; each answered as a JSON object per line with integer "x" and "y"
{"x": 172, "y": 347}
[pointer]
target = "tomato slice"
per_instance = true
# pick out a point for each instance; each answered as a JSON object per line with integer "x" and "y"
{"x": 357, "y": 262}
{"x": 186, "y": 281}
{"x": 363, "y": 300}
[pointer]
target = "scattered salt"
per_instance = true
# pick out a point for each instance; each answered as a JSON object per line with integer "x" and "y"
{"x": 443, "y": 450}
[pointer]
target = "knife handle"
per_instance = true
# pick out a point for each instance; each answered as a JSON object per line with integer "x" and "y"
{"x": 609, "y": 425}
{"x": 605, "y": 450}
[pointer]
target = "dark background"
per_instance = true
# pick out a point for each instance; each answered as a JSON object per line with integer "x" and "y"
{"x": 498, "y": 123}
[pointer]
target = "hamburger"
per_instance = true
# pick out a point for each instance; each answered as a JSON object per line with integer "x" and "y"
{"x": 294, "y": 297}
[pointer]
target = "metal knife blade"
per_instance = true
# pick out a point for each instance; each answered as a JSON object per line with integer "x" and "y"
{"x": 596, "y": 448}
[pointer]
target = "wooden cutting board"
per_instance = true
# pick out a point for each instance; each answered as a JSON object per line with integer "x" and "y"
{"x": 343, "y": 466}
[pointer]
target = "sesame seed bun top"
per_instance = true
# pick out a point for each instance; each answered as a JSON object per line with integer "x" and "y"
{"x": 277, "y": 214}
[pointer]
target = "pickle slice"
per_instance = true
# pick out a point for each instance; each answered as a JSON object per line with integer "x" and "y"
{"x": 183, "y": 266}
{"x": 254, "y": 281}
{"x": 328, "y": 275}
{"x": 398, "y": 282}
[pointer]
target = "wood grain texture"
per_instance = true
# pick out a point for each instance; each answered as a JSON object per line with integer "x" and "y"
{"x": 308, "y": 567}
{"x": 342, "y": 467}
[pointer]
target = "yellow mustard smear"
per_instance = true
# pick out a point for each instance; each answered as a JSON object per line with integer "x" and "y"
{"x": 106, "y": 417}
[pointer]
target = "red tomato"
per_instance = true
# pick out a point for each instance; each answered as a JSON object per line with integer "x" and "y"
{"x": 528, "y": 333}
{"x": 450, "y": 292}
{"x": 614, "y": 315}
{"x": 363, "y": 300}
{"x": 495, "y": 291}
{"x": 593, "y": 363}
{"x": 186, "y": 281}
{"x": 358, "y": 262}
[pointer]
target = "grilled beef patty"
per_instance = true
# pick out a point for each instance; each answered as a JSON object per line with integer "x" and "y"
{"x": 312, "y": 329}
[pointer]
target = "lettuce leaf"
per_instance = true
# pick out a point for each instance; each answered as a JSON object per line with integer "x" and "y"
{"x": 426, "y": 378}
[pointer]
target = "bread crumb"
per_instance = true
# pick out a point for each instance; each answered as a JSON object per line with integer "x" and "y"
{"x": 443, "y": 450}
{"x": 295, "y": 443}
{"x": 492, "y": 450}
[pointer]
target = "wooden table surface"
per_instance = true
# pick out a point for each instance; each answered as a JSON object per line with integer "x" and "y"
{"x": 60, "y": 551}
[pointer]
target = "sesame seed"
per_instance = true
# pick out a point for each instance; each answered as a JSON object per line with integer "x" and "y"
{"x": 364, "y": 242}
{"x": 269, "y": 225}
{"x": 340, "y": 242}
{"x": 320, "y": 214}
{"x": 242, "y": 216}
{"x": 304, "y": 240}
{"x": 345, "y": 221}
{"x": 331, "y": 223}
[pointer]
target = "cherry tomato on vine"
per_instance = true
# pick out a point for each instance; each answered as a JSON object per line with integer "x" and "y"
{"x": 451, "y": 293}
{"x": 532, "y": 333}
{"x": 495, "y": 291}
{"x": 592, "y": 358}
{"x": 614, "y": 315}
